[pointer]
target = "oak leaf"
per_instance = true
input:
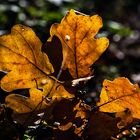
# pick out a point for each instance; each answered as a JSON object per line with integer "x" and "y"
{"x": 22, "y": 104}
{"x": 38, "y": 100}
{"x": 22, "y": 58}
{"x": 56, "y": 91}
{"x": 80, "y": 49}
{"x": 119, "y": 95}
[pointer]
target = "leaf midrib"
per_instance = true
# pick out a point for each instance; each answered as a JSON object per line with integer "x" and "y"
{"x": 26, "y": 59}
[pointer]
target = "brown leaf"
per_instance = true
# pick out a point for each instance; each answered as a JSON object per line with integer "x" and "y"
{"x": 80, "y": 48}
{"x": 126, "y": 118}
{"x": 21, "y": 57}
{"x": 119, "y": 95}
{"x": 101, "y": 126}
{"x": 65, "y": 127}
{"x": 71, "y": 115}
{"x": 55, "y": 55}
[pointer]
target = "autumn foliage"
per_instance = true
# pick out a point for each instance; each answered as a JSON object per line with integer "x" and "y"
{"x": 54, "y": 103}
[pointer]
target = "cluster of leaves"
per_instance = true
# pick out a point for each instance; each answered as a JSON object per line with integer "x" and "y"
{"x": 51, "y": 108}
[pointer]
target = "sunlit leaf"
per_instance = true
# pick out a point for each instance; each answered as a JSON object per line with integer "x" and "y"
{"x": 80, "y": 49}
{"x": 56, "y": 91}
{"x": 38, "y": 100}
{"x": 119, "y": 95}
{"x": 22, "y": 104}
{"x": 22, "y": 58}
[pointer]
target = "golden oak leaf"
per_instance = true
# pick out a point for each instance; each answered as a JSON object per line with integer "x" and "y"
{"x": 56, "y": 91}
{"x": 80, "y": 49}
{"x": 22, "y": 104}
{"x": 22, "y": 58}
{"x": 119, "y": 95}
{"x": 52, "y": 92}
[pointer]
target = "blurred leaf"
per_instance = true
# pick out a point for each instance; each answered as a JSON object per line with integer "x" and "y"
{"x": 118, "y": 28}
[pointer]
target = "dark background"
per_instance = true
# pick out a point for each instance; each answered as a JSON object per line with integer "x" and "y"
{"x": 121, "y": 20}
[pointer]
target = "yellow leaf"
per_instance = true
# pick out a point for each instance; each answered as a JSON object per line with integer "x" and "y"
{"x": 22, "y": 58}
{"x": 56, "y": 91}
{"x": 80, "y": 48}
{"x": 22, "y": 104}
{"x": 38, "y": 100}
{"x": 119, "y": 95}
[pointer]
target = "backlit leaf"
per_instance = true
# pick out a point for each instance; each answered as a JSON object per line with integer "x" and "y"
{"x": 22, "y": 104}
{"x": 119, "y": 95}
{"x": 56, "y": 91}
{"x": 21, "y": 57}
{"x": 38, "y": 100}
{"x": 80, "y": 49}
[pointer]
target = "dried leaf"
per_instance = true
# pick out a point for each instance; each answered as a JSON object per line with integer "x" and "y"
{"x": 22, "y": 104}
{"x": 101, "y": 126}
{"x": 65, "y": 127}
{"x": 21, "y": 57}
{"x": 81, "y": 110}
{"x": 119, "y": 95}
{"x": 80, "y": 48}
{"x": 71, "y": 115}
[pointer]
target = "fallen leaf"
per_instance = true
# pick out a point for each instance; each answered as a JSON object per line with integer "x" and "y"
{"x": 119, "y": 95}
{"x": 80, "y": 48}
{"x": 22, "y": 104}
{"x": 22, "y": 58}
